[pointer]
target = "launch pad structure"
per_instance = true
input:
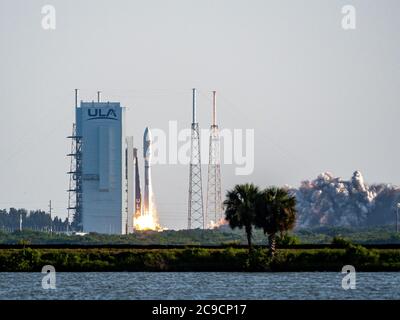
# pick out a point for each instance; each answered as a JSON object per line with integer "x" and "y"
{"x": 104, "y": 193}
{"x": 75, "y": 178}
{"x": 195, "y": 207}
{"x": 214, "y": 200}
{"x": 99, "y": 173}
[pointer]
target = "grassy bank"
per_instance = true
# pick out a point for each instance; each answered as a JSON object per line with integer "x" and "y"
{"x": 199, "y": 259}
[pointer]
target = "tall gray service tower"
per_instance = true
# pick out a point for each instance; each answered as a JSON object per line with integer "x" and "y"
{"x": 102, "y": 170}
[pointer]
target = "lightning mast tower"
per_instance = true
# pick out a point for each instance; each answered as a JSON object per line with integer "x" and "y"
{"x": 75, "y": 181}
{"x": 214, "y": 201}
{"x": 195, "y": 208}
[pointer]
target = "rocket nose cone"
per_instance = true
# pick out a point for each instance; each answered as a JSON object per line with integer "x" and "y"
{"x": 147, "y": 134}
{"x": 147, "y": 143}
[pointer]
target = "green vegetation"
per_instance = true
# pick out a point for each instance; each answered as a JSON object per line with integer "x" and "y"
{"x": 223, "y": 236}
{"x": 199, "y": 259}
{"x": 273, "y": 210}
{"x": 34, "y": 220}
{"x": 366, "y": 235}
{"x": 276, "y": 213}
{"x": 267, "y": 216}
{"x": 241, "y": 208}
{"x": 228, "y": 258}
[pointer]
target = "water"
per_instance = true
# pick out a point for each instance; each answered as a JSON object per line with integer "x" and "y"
{"x": 205, "y": 285}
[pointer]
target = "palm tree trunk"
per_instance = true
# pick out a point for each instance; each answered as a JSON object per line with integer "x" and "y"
{"x": 248, "y": 233}
{"x": 271, "y": 241}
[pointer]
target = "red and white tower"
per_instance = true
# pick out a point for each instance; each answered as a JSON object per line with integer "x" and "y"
{"x": 214, "y": 209}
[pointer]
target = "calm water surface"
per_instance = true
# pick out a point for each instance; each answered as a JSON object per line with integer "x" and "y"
{"x": 205, "y": 285}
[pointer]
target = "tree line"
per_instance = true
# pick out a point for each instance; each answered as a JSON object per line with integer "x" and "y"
{"x": 272, "y": 209}
{"x": 38, "y": 220}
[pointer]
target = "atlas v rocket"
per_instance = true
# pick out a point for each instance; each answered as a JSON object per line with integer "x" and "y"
{"x": 147, "y": 142}
{"x": 145, "y": 207}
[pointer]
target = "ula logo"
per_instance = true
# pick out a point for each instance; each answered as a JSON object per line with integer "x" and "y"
{"x": 98, "y": 113}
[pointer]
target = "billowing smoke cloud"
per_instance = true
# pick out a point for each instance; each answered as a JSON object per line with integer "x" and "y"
{"x": 332, "y": 201}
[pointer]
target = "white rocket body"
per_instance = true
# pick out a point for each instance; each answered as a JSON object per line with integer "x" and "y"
{"x": 147, "y": 141}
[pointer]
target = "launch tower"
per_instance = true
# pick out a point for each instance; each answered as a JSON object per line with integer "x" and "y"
{"x": 214, "y": 201}
{"x": 195, "y": 207}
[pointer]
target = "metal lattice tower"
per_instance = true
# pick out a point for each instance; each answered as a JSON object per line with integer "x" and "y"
{"x": 195, "y": 208}
{"x": 71, "y": 188}
{"x": 214, "y": 200}
{"x": 75, "y": 178}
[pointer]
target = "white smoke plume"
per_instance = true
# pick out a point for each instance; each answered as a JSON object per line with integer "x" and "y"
{"x": 332, "y": 201}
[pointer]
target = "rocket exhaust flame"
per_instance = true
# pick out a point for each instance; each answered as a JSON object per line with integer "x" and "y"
{"x": 215, "y": 225}
{"x": 147, "y": 221}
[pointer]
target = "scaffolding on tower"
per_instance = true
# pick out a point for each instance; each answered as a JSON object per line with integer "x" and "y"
{"x": 75, "y": 179}
{"x": 214, "y": 209}
{"x": 195, "y": 207}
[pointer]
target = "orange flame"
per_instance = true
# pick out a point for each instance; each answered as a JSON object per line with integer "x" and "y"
{"x": 219, "y": 223}
{"x": 148, "y": 220}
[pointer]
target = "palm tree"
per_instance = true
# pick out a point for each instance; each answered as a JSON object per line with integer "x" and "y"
{"x": 241, "y": 208}
{"x": 275, "y": 213}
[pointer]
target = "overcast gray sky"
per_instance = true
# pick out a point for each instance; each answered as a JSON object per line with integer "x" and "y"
{"x": 318, "y": 97}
